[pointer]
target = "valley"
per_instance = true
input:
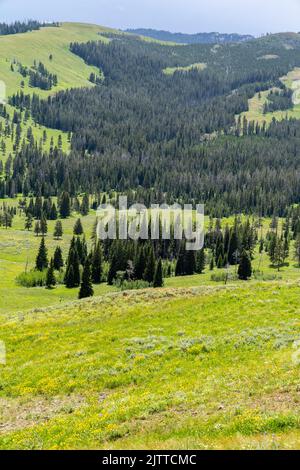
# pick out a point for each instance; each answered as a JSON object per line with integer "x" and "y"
{"x": 143, "y": 344}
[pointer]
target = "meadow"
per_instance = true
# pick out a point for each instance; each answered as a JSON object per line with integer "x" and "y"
{"x": 202, "y": 368}
{"x": 256, "y": 104}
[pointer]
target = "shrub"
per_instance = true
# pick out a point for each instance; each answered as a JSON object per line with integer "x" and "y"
{"x": 37, "y": 278}
{"x": 32, "y": 279}
{"x": 223, "y": 276}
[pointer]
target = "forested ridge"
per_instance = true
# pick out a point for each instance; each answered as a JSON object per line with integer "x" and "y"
{"x": 198, "y": 38}
{"x": 170, "y": 136}
{"x": 22, "y": 27}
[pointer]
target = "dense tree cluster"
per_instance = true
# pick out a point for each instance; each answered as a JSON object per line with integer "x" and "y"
{"x": 23, "y": 27}
{"x": 279, "y": 100}
{"x": 158, "y": 137}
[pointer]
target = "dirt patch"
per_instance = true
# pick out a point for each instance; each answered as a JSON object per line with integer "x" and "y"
{"x": 278, "y": 401}
{"x": 16, "y": 414}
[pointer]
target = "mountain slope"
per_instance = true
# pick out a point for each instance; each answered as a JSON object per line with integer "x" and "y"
{"x": 37, "y": 46}
{"x": 164, "y": 369}
{"x": 199, "y": 38}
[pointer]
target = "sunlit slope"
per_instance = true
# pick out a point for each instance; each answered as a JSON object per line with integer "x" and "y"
{"x": 168, "y": 369}
{"x": 38, "y": 45}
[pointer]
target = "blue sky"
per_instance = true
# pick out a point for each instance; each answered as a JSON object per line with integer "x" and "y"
{"x": 254, "y": 16}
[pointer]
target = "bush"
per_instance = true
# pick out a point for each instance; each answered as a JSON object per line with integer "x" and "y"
{"x": 260, "y": 276}
{"x": 37, "y": 278}
{"x": 223, "y": 276}
{"x": 132, "y": 285}
{"x": 32, "y": 279}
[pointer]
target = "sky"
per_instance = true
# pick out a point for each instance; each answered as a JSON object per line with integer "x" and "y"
{"x": 188, "y": 16}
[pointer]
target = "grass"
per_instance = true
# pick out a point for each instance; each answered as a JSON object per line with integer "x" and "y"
{"x": 194, "y": 365}
{"x": 168, "y": 369}
{"x": 256, "y": 104}
{"x": 18, "y": 249}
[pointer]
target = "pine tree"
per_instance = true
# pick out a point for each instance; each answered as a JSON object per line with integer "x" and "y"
{"x": 113, "y": 269}
{"x": 139, "y": 264}
{"x": 78, "y": 229}
{"x": 279, "y": 253}
{"x": 297, "y": 249}
{"x": 220, "y": 262}
{"x": 58, "y": 230}
{"x": 86, "y": 288}
{"x": 245, "y": 268}
{"x": 28, "y": 222}
{"x": 97, "y": 268}
{"x": 50, "y": 279}
{"x": 37, "y": 228}
{"x": 179, "y": 269}
{"x": 212, "y": 264}
{"x": 85, "y": 205}
{"x": 42, "y": 257}
{"x": 53, "y": 212}
{"x": 200, "y": 261}
{"x": 65, "y": 205}
{"x": 150, "y": 266}
{"x": 158, "y": 276}
{"x": 43, "y": 225}
{"x": 72, "y": 276}
{"x": 189, "y": 263}
{"x": 58, "y": 261}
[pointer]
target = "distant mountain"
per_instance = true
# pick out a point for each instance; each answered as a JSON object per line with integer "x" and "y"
{"x": 200, "y": 38}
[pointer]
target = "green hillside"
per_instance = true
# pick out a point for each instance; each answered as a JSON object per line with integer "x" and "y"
{"x": 38, "y": 46}
{"x": 166, "y": 369}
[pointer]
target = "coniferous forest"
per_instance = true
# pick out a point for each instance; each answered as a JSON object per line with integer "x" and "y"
{"x": 174, "y": 135}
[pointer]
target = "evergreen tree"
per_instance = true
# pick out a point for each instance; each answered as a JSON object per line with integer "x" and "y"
{"x": 86, "y": 288}
{"x": 58, "y": 230}
{"x": 97, "y": 268}
{"x": 150, "y": 266}
{"x": 65, "y": 205}
{"x": 37, "y": 228}
{"x": 200, "y": 261}
{"x": 158, "y": 276}
{"x": 245, "y": 268}
{"x": 279, "y": 253}
{"x": 179, "y": 269}
{"x": 43, "y": 225}
{"x": 53, "y": 212}
{"x": 50, "y": 278}
{"x": 189, "y": 263}
{"x": 58, "y": 261}
{"x": 113, "y": 269}
{"x": 28, "y": 222}
{"x": 297, "y": 249}
{"x": 139, "y": 264}
{"x": 42, "y": 257}
{"x": 78, "y": 229}
{"x": 85, "y": 205}
{"x": 72, "y": 276}
{"x": 220, "y": 263}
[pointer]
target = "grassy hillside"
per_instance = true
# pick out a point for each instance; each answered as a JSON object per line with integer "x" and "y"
{"x": 185, "y": 368}
{"x": 256, "y": 104}
{"x": 37, "y": 46}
